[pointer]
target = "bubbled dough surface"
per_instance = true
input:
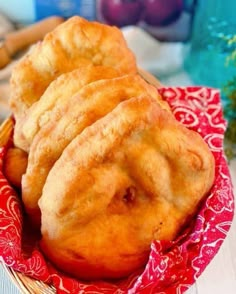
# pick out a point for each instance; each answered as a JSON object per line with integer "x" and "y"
{"x": 131, "y": 177}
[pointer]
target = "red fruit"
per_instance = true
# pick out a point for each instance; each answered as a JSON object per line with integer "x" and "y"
{"x": 162, "y": 12}
{"x": 121, "y": 12}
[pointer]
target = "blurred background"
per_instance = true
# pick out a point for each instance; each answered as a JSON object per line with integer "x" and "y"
{"x": 181, "y": 42}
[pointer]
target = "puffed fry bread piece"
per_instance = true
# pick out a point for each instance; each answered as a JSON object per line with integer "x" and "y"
{"x": 15, "y": 164}
{"x": 59, "y": 91}
{"x": 134, "y": 176}
{"x": 15, "y": 160}
{"x": 69, "y": 119}
{"x": 74, "y": 43}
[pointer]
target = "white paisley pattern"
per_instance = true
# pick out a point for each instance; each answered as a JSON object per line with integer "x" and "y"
{"x": 173, "y": 266}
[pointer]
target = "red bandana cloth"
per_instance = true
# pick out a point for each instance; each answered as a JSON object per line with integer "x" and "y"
{"x": 172, "y": 266}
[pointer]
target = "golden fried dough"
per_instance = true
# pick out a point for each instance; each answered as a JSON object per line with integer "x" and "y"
{"x": 59, "y": 91}
{"x": 131, "y": 177}
{"x": 72, "y": 44}
{"x": 15, "y": 164}
{"x": 67, "y": 120}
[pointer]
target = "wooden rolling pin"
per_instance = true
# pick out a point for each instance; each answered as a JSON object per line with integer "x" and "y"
{"x": 16, "y": 41}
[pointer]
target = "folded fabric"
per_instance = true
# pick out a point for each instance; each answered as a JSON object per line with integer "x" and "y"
{"x": 160, "y": 58}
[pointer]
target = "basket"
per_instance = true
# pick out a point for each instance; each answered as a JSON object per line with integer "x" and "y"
{"x": 211, "y": 224}
{"x": 24, "y": 283}
{"x": 27, "y": 285}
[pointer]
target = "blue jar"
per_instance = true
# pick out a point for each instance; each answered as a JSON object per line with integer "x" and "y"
{"x": 209, "y": 61}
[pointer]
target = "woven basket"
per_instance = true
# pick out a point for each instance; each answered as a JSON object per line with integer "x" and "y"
{"x": 26, "y": 284}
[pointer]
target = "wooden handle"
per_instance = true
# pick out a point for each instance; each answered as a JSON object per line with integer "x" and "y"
{"x": 18, "y": 40}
